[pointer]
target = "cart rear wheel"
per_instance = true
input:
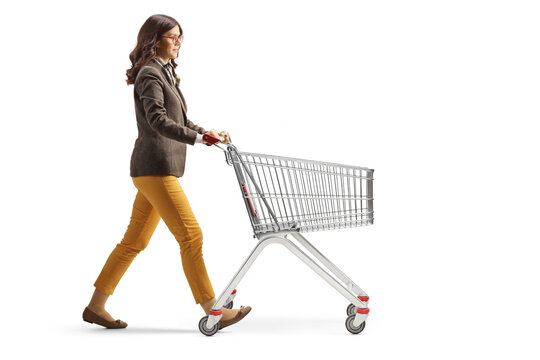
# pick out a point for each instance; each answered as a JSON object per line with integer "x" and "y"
{"x": 204, "y": 330}
{"x": 352, "y": 329}
{"x": 228, "y": 305}
{"x": 351, "y": 309}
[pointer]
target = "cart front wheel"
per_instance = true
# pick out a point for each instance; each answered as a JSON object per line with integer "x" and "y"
{"x": 204, "y": 330}
{"x": 352, "y": 329}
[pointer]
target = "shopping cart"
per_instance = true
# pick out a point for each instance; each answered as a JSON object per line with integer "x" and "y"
{"x": 286, "y": 196}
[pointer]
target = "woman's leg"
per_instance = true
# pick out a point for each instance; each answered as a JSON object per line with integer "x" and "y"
{"x": 167, "y": 197}
{"x": 144, "y": 220}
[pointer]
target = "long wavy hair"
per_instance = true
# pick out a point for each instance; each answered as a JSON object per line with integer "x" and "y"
{"x": 149, "y": 36}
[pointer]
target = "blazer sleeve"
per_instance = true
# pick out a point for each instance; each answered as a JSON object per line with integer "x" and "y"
{"x": 150, "y": 91}
{"x": 192, "y": 126}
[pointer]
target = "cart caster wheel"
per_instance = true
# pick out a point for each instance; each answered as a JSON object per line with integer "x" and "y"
{"x": 351, "y": 310}
{"x": 204, "y": 330}
{"x": 228, "y": 305}
{"x": 351, "y": 328}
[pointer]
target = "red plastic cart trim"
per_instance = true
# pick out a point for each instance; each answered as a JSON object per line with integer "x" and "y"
{"x": 362, "y": 311}
{"x": 253, "y": 211}
{"x": 364, "y": 298}
{"x": 210, "y": 139}
{"x": 212, "y": 312}
{"x": 234, "y": 291}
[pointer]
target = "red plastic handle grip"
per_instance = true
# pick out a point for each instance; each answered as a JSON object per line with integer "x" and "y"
{"x": 210, "y": 139}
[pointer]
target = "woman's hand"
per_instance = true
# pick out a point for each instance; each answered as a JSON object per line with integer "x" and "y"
{"x": 215, "y": 134}
{"x": 222, "y": 136}
{"x": 225, "y": 136}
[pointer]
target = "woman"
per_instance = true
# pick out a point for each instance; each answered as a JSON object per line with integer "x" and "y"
{"x": 157, "y": 161}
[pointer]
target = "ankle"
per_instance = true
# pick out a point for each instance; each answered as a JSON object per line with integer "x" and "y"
{"x": 207, "y": 305}
{"x": 97, "y": 308}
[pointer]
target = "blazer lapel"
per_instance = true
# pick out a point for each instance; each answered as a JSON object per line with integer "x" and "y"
{"x": 170, "y": 82}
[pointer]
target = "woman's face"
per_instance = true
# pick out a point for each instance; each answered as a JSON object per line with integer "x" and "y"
{"x": 167, "y": 48}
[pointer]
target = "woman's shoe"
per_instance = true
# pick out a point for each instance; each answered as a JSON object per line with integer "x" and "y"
{"x": 93, "y": 318}
{"x": 241, "y": 314}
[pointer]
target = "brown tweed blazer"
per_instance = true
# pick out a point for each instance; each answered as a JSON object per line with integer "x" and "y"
{"x": 164, "y": 129}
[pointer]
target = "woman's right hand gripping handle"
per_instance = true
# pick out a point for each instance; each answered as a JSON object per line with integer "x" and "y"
{"x": 212, "y": 137}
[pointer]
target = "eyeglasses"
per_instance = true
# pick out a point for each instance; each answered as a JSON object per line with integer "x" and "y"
{"x": 175, "y": 38}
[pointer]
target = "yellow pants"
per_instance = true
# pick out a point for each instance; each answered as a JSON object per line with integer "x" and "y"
{"x": 159, "y": 197}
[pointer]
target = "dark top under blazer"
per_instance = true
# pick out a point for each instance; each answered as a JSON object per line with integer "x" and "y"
{"x": 164, "y": 129}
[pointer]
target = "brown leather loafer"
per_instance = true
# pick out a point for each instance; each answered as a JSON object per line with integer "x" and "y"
{"x": 93, "y": 318}
{"x": 241, "y": 314}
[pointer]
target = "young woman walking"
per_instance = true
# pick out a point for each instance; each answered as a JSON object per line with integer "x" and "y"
{"x": 156, "y": 164}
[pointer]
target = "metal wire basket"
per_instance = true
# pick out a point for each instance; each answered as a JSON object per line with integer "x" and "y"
{"x": 283, "y": 193}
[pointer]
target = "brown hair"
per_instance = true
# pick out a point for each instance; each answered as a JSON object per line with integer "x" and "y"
{"x": 149, "y": 35}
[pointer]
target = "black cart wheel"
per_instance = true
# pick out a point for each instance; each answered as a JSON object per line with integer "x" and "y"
{"x": 351, "y": 310}
{"x": 351, "y": 328}
{"x": 228, "y": 305}
{"x": 204, "y": 330}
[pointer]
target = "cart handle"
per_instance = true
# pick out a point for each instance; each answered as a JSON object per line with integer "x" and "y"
{"x": 211, "y": 140}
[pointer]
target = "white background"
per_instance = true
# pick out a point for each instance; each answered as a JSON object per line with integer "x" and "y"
{"x": 439, "y": 97}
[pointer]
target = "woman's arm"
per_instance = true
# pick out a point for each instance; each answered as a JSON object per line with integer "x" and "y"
{"x": 192, "y": 126}
{"x": 149, "y": 88}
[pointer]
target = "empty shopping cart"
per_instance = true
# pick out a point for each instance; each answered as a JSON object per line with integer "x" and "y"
{"x": 287, "y": 196}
